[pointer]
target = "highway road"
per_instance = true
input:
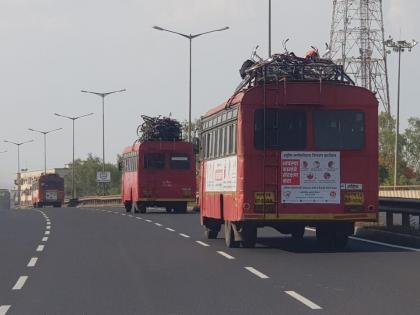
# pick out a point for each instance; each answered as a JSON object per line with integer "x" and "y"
{"x": 104, "y": 261}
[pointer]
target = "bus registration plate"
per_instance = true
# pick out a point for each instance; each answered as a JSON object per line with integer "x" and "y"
{"x": 51, "y": 195}
{"x": 353, "y": 198}
{"x": 259, "y": 198}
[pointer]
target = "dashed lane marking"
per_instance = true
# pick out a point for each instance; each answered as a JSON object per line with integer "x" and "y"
{"x": 40, "y": 248}
{"x": 202, "y": 243}
{"x": 20, "y": 283}
{"x": 303, "y": 300}
{"x": 226, "y": 255}
{"x": 171, "y": 230}
{"x": 150, "y": 221}
{"x": 48, "y": 227}
{"x": 47, "y": 232}
{"x": 123, "y": 214}
{"x": 184, "y": 235}
{"x": 158, "y": 224}
{"x": 45, "y": 238}
{"x": 130, "y": 215}
{"x": 32, "y": 262}
{"x": 257, "y": 273}
{"x": 4, "y": 309}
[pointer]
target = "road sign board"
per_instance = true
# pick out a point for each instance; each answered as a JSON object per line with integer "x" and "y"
{"x": 103, "y": 177}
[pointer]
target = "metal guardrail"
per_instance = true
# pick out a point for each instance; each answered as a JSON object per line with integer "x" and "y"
{"x": 98, "y": 201}
{"x": 405, "y": 207}
{"x": 412, "y": 192}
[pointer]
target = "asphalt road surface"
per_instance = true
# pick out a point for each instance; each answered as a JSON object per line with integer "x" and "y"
{"x": 102, "y": 261}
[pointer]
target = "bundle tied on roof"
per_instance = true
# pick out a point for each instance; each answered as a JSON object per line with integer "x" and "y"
{"x": 159, "y": 129}
{"x": 289, "y": 67}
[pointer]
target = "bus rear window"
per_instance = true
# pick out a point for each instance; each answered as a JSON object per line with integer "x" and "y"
{"x": 154, "y": 161}
{"x": 180, "y": 162}
{"x": 284, "y": 129}
{"x": 339, "y": 130}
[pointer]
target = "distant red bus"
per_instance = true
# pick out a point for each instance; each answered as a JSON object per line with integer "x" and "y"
{"x": 48, "y": 190}
{"x": 158, "y": 173}
{"x": 288, "y": 156}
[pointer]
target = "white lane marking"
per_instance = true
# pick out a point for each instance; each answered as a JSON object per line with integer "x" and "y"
{"x": 4, "y": 309}
{"x": 32, "y": 262}
{"x": 225, "y": 255}
{"x": 171, "y": 230}
{"x": 44, "y": 239}
{"x": 257, "y": 273}
{"x": 158, "y": 224}
{"x": 202, "y": 243}
{"x": 130, "y": 215}
{"x": 377, "y": 243}
{"x": 123, "y": 214}
{"x": 149, "y": 221}
{"x": 303, "y": 300}
{"x": 20, "y": 283}
{"x": 40, "y": 248}
{"x": 48, "y": 227}
{"x": 384, "y": 244}
{"x": 47, "y": 232}
{"x": 138, "y": 218}
{"x": 184, "y": 235}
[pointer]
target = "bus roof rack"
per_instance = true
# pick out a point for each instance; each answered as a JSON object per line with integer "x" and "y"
{"x": 289, "y": 67}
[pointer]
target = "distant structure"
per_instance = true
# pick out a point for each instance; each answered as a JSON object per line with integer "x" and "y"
{"x": 357, "y": 43}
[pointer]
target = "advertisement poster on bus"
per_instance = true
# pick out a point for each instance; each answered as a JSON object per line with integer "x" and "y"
{"x": 310, "y": 177}
{"x": 221, "y": 174}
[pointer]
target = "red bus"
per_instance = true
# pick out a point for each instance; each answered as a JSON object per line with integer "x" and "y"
{"x": 290, "y": 155}
{"x": 48, "y": 190}
{"x": 158, "y": 173}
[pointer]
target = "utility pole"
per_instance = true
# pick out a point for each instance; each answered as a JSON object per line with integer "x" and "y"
{"x": 399, "y": 47}
{"x": 190, "y": 38}
{"x": 18, "y": 144}
{"x": 44, "y": 133}
{"x": 73, "y": 188}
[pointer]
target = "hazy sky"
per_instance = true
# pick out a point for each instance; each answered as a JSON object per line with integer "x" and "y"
{"x": 51, "y": 49}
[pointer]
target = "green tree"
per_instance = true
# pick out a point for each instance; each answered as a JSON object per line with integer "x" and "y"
{"x": 386, "y": 151}
{"x": 412, "y": 145}
{"x": 85, "y": 177}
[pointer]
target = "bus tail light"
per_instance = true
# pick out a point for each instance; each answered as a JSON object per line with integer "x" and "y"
{"x": 147, "y": 193}
{"x": 187, "y": 192}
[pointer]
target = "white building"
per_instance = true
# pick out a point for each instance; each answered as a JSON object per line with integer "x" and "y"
{"x": 28, "y": 178}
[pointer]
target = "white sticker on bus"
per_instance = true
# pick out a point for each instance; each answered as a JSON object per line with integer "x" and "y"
{"x": 221, "y": 174}
{"x": 310, "y": 177}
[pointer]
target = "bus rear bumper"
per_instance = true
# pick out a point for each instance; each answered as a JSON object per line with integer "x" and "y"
{"x": 354, "y": 217}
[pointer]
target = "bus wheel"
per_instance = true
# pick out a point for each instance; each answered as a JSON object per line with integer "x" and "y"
{"x": 142, "y": 207}
{"x": 325, "y": 236}
{"x": 298, "y": 232}
{"x": 230, "y": 236}
{"x": 211, "y": 234}
{"x": 181, "y": 207}
{"x": 249, "y": 236}
{"x": 135, "y": 208}
{"x": 340, "y": 240}
{"x": 57, "y": 205}
{"x": 128, "y": 205}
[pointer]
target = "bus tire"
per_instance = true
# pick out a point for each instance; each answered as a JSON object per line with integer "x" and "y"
{"x": 325, "y": 236}
{"x": 128, "y": 205}
{"x": 340, "y": 240}
{"x": 298, "y": 232}
{"x": 142, "y": 207}
{"x": 249, "y": 236}
{"x": 58, "y": 205}
{"x": 211, "y": 234}
{"x": 181, "y": 207}
{"x": 230, "y": 236}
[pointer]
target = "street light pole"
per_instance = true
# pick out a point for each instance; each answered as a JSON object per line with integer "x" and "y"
{"x": 45, "y": 143}
{"x": 73, "y": 119}
{"x": 18, "y": 144}
{"x": 269, "y": 28}
{"x": 398, "y": 46}
{"x": 103, "y": 95}
{"x": 190, "y": 37}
